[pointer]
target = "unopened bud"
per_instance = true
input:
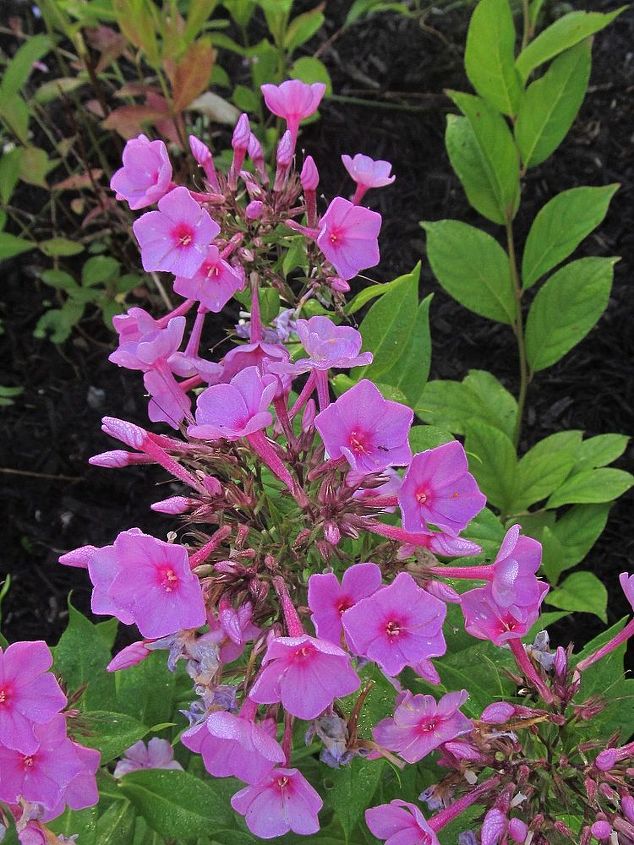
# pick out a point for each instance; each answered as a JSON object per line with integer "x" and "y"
{"x": 332, "y": 533}
{"x": 79, "y": 558}
{"x": 256, "y": 153}
{"x": 309, "y": 176}
{"x": 606, "y": 759}
{"x": 498, "y": 713}
{"x": 241, "y": 134}
{"x": 117, "y": 459}
{"x": 174, "y": 505}
{"x": 518, "y": 830}
{"x": 212, "y": 485}
{"x": 338, "y": 284}
{"x": 627, "y": 807}
{"x": 308, "y": 418}
{"x": 129, "y": 656}
{"x": 561, "y": 662}
{"x": 285, "y": 150}
{"x": 254, "y": 210}
{"x": 129, "y": 433}
{"x": 601, "y": 830}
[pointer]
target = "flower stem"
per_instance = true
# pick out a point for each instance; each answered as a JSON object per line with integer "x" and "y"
{"x": 293, "y": 622}
{"x": 480, "y": 573}
{"x": 447, "y": 815}
{"x": 518, "y": 329}
{"x": 264, "y": 450}
{"x": 525, "y": 665}
{"x": 615, "y": 642}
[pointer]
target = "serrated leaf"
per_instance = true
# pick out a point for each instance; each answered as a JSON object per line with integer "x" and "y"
{"x": 581, "y": 592}
{"x": 494, "y": 462}
{"x": 550, "y": 104}
{"x": 566, "y": 308}
{"x": 592, "y": 486}
{"x": 493, "y": 152}
{"x": 490, "y": 55}
{"x": 560, "y": 226}
{"x": 472, "y": 267}
{"x": 561, "y": 35}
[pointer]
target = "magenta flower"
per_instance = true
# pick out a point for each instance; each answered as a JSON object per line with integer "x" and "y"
{"x": 397, "y": 626}
{"x": 42, "y": 775}
{"x": 153, "y": 582}
{"x": 235, "y": 410}
{"x": 420, "y": 725}
{"x": 267, "y": 357}
{"x": 157, "y": 754}
{"x": 627, "y": 585}
{"x": 305, "y": 674}
{"x": 328, "y": 599}
{"x": 348, "y": 237}
{"x": 367, "y": 173}
{"x": 175, "y": 238}
{"x": 149, "y": 348}
{"x": 146, "y": 173}
{"x": 514, "y": 568}
{"x": 370, "y": 432}
{"x": 232, "y": 746}
{"x": 494, "y": 827}
{"x": 400, "y": 823}
{"x": 214, "y": 283}
{"x": 82, "y": 790}
{"x": 284, "y": 801}
{"x": 438, "y": 489}
{"x": 328, "y": 345}
{"x": 29, "y": 694}
{"x": 134, "y": 324}
{"x": 293, "y": 101}
{"x": 487, "y": 620}
{"x": 233, "y": 630}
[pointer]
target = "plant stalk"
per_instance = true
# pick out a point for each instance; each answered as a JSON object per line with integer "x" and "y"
{"x": 518, "y": 328}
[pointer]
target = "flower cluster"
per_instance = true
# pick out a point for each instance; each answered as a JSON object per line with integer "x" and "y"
{"x": 42, "y": 770}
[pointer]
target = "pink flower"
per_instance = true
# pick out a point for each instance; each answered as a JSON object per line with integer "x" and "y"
{"x": 420, "y": 725}
{"x": 29, "y": 694}
{"x": 627, "y": 585}
{"x": 130, "y": 655}
{"x": 284, "y": 801}
{"x": 518, "y": 830}
{"x": 175, "y": 238}
{"x": 158, "y": 754}
{"x": 367, "y": 173}
{"x": 400, "y": 823}
{"x": 214, "y": 284}
{"x": 233, "y": 630}
{"x": 134, "y": 324}
{"x": 494, "y": 827}
{"x": 328, "y": 599}
{"x": 514, "y": 568}
{"x": 397, "y": 626}
{"x": 232, "y": 746}
{"x": 348, "y": 237}
{"x": 149, "y": 348}
{"x": 370, "y": 432}
{"x": 82, "y": 790}
{"x": 146, "y": 173}
{"x": 328, "y": 345}
{"x": 42, "y": 775}
{"x": 438, "y": 489}
{"x": 487, "y": 620}
{"x": 267, "y": 357}
{"x": 293, "y": 101}
{"x": 235, "y": 410}
{"x": 305, "y": 674}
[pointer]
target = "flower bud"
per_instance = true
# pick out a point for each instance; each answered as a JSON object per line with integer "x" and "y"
{"x": 256, "y": 154}
{"x": 129, "y": 656}
{"x": 117, "y": 459}
{"x": 285, "y": 150}
{"x": 338, "y": 284}
{"x": 309, "y": 176}
{"x": 308, "y": 418}
{"x": 174, "y": 505}
{"x": 254, "y": 210}
{"x": 332, "y": 533}
{"x": 241, "y": 134}
{"x": 212, "y": 485}
{"x": 606, "y": 759}
{"x": 601, "y": 830}
{"x": 561, "y": 662}
{"x": 132, "y": 435}
{"x": 518, "y": 830}
{"x": 627, "y": 807}
{"x": 497, "y": 713}
{"x": 79, "y": 558}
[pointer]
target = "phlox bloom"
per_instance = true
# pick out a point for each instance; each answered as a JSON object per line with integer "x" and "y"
{"x": 370, "y": 432}
{"x": 235, "y": 747}
{"x": 348, "y": 237}
{"x": 157, "y": 754}
{"x": 146, "y": 173}
{"x": 29, "y": 694}
{"x": 293, "y": 101}
{"x": 214, "y": 283}
{"x": 400, "y": 823}
{"x": 487, "y": 620}
{"x": 175, "y": 238}
{"x": 329, "y": 345}
{"x": 81, "y": 791}
{"x": 148, "y": 348}
{"x": 397, "y": 626}
{"x": 627, "y": 585}
{"x": 420, "y": 725}
{"x": 305, "y": 674}
{"x": 438, "y": 489}
{"x": 235, "y": 410}
{"x": 514, "y": 579}
{"x": 328, "y": 599}
{"x": 283, "y": 801}
{"x": 367, "y": 172}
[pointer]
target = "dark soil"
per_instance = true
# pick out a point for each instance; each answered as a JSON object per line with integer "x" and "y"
{"x": 54, "y": 502}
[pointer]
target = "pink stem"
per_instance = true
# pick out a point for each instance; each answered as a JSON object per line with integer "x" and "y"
{"x": 193, "y": 344}
{"x": 447, "y": 815}
{"x": 255, "y": 334}
{"x": 279, "y": 404}
{"x": 249, "y": 709}
{"x": 323, "y": 393}
{"x": 615, "y": 642}
{"x": 264, "y": 450}
{"x": 525, "y": 665}
{"x": 310, "y": 200}
{"x": 480, "y": 573}
{"x": 190, "y": 383}
{"x": 214, "y": 199}
{"x": 303, "y": 397}
{"x": 167, "y": 462}
{"x": 210, "y": 546}
{"x": 393, "y": 532}
{"x": 182, "y": 309}
{"x": 381, "y": 501}
{"x": 287, "y": 741}
{"x": 293, "y": 622}
{"x": 358, "y": 195}
{"x": 322, "y": 469}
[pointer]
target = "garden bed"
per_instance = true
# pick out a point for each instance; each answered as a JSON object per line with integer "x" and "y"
{"x": 54, "y": 502}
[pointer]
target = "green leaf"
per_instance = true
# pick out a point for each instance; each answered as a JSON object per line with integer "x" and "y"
{"x": 369, "y": 293}
{"x": 569, "y": 540}
{"x": 389, "y": 323}
{"x": 245, "y": 99}
{"x": 58, "y": 279}
{"x": 561, "y": 35}
{"x": 99, "y": 269}
{"x": 485, "y": 529}
{"x": 494, "y": 462}
{"x": 111, "y": 733}
{"x": 487, "y": 159}
{"x": 116, "y": 825}
{"x": 410, "y": 372}
{"x": 80, "y": 823}
{"x": 544, "y": 468}
{"x": 19, "y": 68}
{"x": 551, "y": 103}
{"x": 34, "y": 165}
{"x": 478, "y": 670}
{"x": 9, "y": 172}
{"x": 566, "y": 308}
{"x": 354, "y": 787}
{"x": 302, "y": 28}
{"x": 472, "y": 267}
{"x": 10, "y": 245}
{"x": 10, "y": 834}
{"x": 581, "y": 592}
{"x": 81, "y": 657}
{"x": 601, "y": 450}
{"x": 55, "y": 88}
{"x": 452, "y": 404}
{"x": 58, "y": 323}
{"x": 423, "y": 437}
{"x": 60, "y": 246}
{"x": 310, "y": 70}
{"x": 490, "y": 55}
{"x": 176, "y": 804}
{"x": 591, "y": 486}
{"x": 560, "y": 226}
{"x": 147, "y": 691}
